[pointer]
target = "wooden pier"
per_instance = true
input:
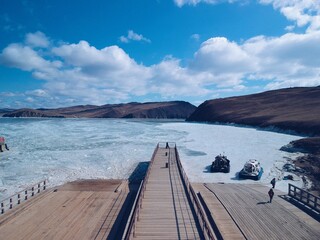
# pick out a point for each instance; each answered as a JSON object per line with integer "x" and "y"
{"x": 79, "y": 210}
{"x": 165, "y": 206}
{"x": 243, "y": 211}
{"x": 165, "y": 210}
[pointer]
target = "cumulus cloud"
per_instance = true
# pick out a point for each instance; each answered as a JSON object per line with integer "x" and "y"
{"x": 134, "y": 37}
{"x": 25, "y": 58}
{"x": 219, "y": 55}
{"x": 107, "y": 67}
{"x": 170, "y": 79}
{"x": 37, "y": 39}
{"x": 302, "y": 12}
{"x": 289, "y": 60}
{"x": 285, "y": 61}
{"x": 79, "y": 73}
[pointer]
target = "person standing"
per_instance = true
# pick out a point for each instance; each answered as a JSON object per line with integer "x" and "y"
{"x": 271, "y": 193}
{"x": 273, "y": 182}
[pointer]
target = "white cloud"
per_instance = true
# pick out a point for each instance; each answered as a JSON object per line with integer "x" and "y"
{"x": 79, "y": 73}
{"x": 7, "y": 94}
{"x": 289, "y": 60}
{"x": 195, "y": 37}
{"x": 290, "y": 28}
{"x": 37, "y": 93}
{"x": 25, "y": 58}
{"x": 302, "y": 12}
{"x": 180, "y": 3}
{"x": 170, "y": 79}
{"x": 108, "y": 67}
{"x": 37, "y": 39}
{"x": 124, "y": 39}
{"x": 218, "y": 55}
{"x": 134, "y": 37}
{"x": 29, "y": 99}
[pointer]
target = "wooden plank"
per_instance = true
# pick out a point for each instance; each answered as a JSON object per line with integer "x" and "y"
{"x": 225, "y": 224}
{"x": 80, "y": 210}
{"x": 257, "y": 218}
{"x": 166, "y": 212}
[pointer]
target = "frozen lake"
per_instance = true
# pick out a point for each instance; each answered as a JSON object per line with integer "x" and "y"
{"x": 63, "y": 150}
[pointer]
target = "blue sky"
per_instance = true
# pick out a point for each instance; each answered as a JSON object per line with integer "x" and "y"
{"x": 56, "y": 53}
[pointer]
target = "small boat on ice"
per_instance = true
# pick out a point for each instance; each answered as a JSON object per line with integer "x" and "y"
{"x": 251, "y": 170}
{"x": 220, "y": 164}
{"x": 3, "y": 145}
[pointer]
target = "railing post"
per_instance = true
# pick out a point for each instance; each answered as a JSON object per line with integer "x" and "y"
{"x": 289, "y": 189}
{"x": 10, "y": 203}
{"x": 2, "y": 208}
{"x": 38, "y": 187}
{"x": 18, "y": 198}
{"x": 26, "y": 195}
{"x": 300, "y": 195}
{"x": 32, "y": 193}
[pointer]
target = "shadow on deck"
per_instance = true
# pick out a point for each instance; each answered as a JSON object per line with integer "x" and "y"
{"x": 135, "y": 179}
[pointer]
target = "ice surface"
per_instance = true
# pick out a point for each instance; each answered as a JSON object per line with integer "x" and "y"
{"x": 239, "y": 144}
{"x": 63, "y": 150}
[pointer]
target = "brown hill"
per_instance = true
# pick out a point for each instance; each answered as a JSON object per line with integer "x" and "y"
{"x": 163, "y": 110}
{"x": 295, "y": 109}
{"x": 5, "y": 110}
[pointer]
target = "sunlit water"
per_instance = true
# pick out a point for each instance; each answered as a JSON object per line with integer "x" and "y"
{"x": 63, "y": 150}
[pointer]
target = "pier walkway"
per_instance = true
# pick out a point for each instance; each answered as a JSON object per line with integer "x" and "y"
{"x": 165, "y": 209}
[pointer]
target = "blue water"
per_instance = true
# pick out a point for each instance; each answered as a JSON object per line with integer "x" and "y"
{"x": 63, "y": 150}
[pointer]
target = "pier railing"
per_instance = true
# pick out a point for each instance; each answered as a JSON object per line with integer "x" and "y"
{"x": 205, "y": 225}
{"x": 22, "y": 196}
{"x": 129, "y": 232}
{"x": 134, "y": 215}
{"x": 305, "y": 197}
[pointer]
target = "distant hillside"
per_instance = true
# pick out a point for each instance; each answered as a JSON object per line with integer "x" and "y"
{"x": 295, "y": 109}
{"x": 161, "y": 110}
{"x": 5, "y": 110}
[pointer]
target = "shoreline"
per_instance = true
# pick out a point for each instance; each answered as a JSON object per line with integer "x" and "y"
{"x": 218, "y": 124}
{"x": 307, "y": 165}
{"x": 273, "y": 129}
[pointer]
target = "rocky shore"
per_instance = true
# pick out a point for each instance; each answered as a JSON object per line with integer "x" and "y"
{"x": 309, "y": 164}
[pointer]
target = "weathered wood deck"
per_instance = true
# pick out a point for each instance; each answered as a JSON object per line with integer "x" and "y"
{"x": 166, "y": 212}
{"x": 80, "y": 210}
{"x": 91, "y": 209}
{"x": 243, "y": 212}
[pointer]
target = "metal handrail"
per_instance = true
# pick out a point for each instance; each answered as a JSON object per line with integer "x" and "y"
{"x": 130, "y": 222}
{"x": 135, "y": 216}
{"x": 206, "y": 226}
{"x": 22, "y": 196}
{"x": 304, "y": 196}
